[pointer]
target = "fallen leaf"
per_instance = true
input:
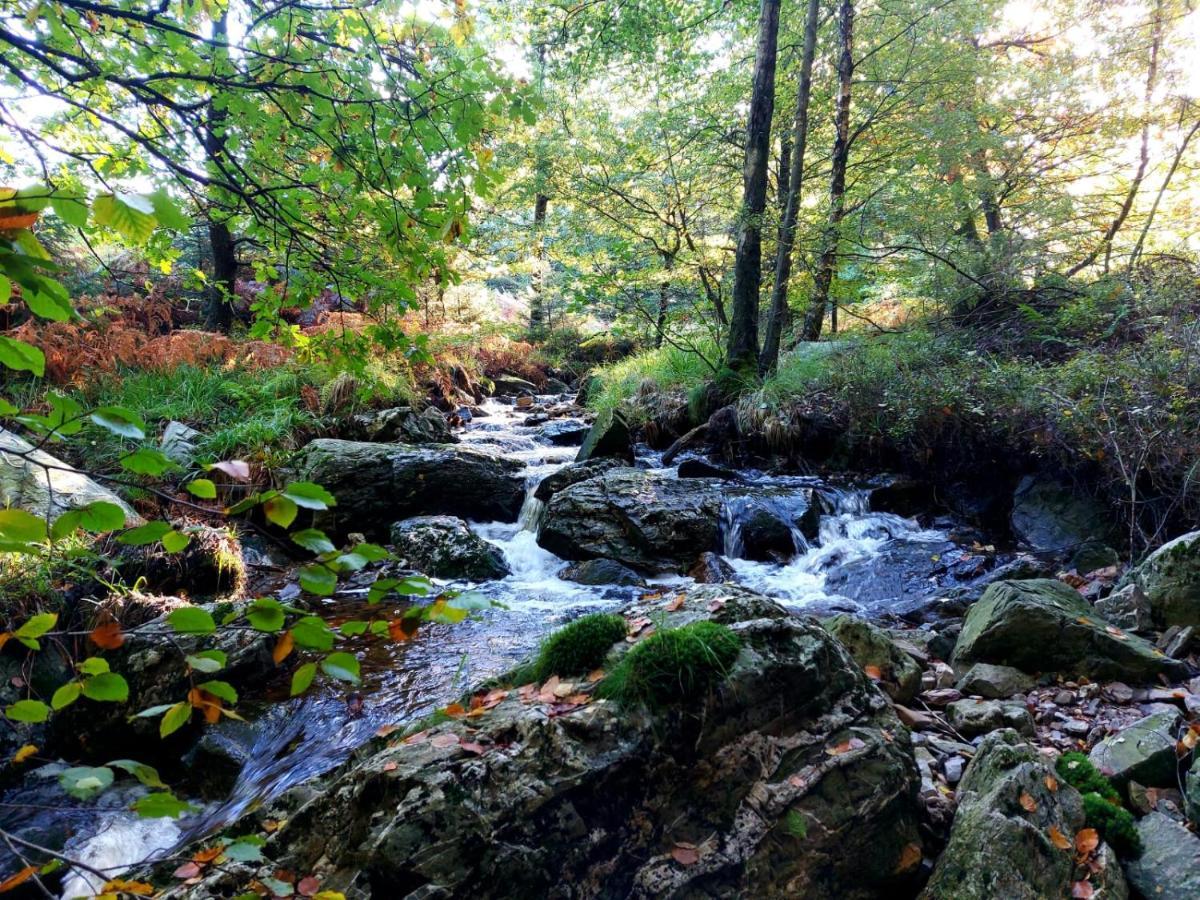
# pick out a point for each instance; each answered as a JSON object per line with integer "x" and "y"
{"x": 1082, "y": 890}
{"x": 384, "y": 730}
{"x": 578, "y": 699}
{"x": 676, "y": 604}
{"x": 470, "y": 747}
{"x": 652, "y": 595}
{"x": 873, "y": 672}
{"x": 444, "y": 740}
{"x": 283, "y": 647}
{"x": 1058, "y": 839}
{"x": 188, "y": 870}
{"x": 595, "y": 675}
{"x": 206, "y": 856}
{"x": 17, "y": 879}
{"x": 1051, "y": 783}
{"x": 418, "y": 738}
{"x": 390, "y": 766}
{"x": 910, "y": 858}
{"x": 845, "y": 747}
{"x": 1027, "y": 802}
{"x": 527, "y": 693}
{"x": 564, "y": 689}
{"x": 137, "y": 888}
{"x": 107, "y": 636}
{"x": 24, "y": 753}
{"x": 234, "y": 468}
{"x": 716, "y": 606}
{"x": 1086, "y": 841}
{"x": 272, "y": 825}
{"x": 685, "y": 855}
{"x": 400, "y": 630}
{"x": 1117, "y": 633}
{"x": 454, "y": 710}
{"x": 306, "y": 887}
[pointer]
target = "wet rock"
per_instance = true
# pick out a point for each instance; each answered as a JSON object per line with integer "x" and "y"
{"x": 564, "y": 432}
{"x": 975, "y": 717}
{"x": 573, "y": 474}
{"x": 210, "y": 567}
{"x": 711, "y": 568}
{"x": 555, "y": 386}
{"x": 762, "y": 534}
{"x": 1127, "y": 608}
{"x": 590, "y": 387}
{"x": 1170, "y": 579}
{"x": 377, "y": 483}
{"x": 1045, "y": 626}
{"x": 693, "y": 440}
{"x": 1176, "y": 642}
{"x": 512, "y": 386}
{"x": 737, "y": 795}
{"x": 998, "y": 847}
{"x": 1192, "y": 795}
{"x": 445, "y": 547}
{"x": 874, "y": 650}
{"x": 601, "y": 572}
{"x": 220, "y": 754}
{"x": 400, "y": 425}
{"x": 906, "y": 497}
{"x": 694, "y": 467}
{"x": 178, "y": 443}
{"x": 1049, "y": 515}
{"x": 1143, "y": 752}
{"x": 609, "y": 436}
{"x": 1169, "y": 867}
{"x": 1092, "y": 556}
{"x": 45, "y": 486}
{"x": 994, "y": 682}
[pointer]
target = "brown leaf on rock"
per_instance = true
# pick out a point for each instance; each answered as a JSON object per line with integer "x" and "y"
{"x": 1027, "y": 802}
{"x": 1057, "y": 838}
{"x": 873, "y": 672}
{"x": 845, "y": 747}
{"x": 188, "y": 870}
{"x": 595, "y": 675}
{"x": 910, "y": 858}
{"x": 283, "y": 647}
{"x": 455, "y": 710}
{"x": 1051, "y": 783}
{"x": 441, "y": 741}
{"x": 107, "y": 636}
{"x": 1086, "y": 841}
{"x": 675, "y": 604}
{"x": 307, "y": 887}
{"x": 472, "y": 747}
{"x": 685, "y": 854}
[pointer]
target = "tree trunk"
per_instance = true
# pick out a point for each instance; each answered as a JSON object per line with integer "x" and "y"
{"x": 742, "y": 348}
{"x": 814, "y": 319}
{"x": 778, "y": 317}
{"x": 219, "y": 312}
{"x": 1162, "y": 190}
{"x": 537, "y": 303}
{"x": 664, "y": 300}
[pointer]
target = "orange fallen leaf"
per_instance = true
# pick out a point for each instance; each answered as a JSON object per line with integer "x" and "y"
{"x": 390, "y": 766}
{"x": 845, "y": 747}
{"x": 1057, "y": 838}
{"x": 283, "y": 647}
{"x": 454, "y": 710}
{"x": 24, "y": 753}
{"x": 873, "y": 672}
{"x": 400, "y": 630}
{"x": 1051, "y": 783}
{"x": 417, "y": 738}
{"x": 206, "y": 856}
{"x": 120, "y": 885}
{"x": 1086, "y": 841}
{"x": 442, "y": 741}
{"x": 107, "y": 636}
{"x": 910, "y": 858}
{"x": 272, "y": 825}
{"x": 676, "y": 604}
{"x": 1027, "y": 802}
{"x": 578, "y": 699}
{"x": 595, "y": 675}
{"x": 17, "y": 879}
{"x": 685, "y": 854}
{"x": 306, "y": 887}
{"x": 471, "y": 747}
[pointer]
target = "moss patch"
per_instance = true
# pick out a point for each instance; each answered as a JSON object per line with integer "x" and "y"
{"x": 1114, "y": 824}
{"x": 578, "y": 647}
{"x": 1079, "y": 772}
{"x": 673, "y": 665}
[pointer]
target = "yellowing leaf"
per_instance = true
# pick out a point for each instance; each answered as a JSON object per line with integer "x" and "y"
{"x": 1027, "y": 802}
{"x": 24, "y": 753}
{"x": 1058, "y": 839}
{"x": 283, "y": 647}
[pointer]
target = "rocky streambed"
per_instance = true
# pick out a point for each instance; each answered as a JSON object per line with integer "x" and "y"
{"x": 890, "y": 724}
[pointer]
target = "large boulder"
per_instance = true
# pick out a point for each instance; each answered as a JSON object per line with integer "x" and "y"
{"x": 1002, "y": 844}
{"x": 564, "y": 432}
{"x": 444, "y": 547}
{"x": 512, "y": 386}
{"x": 400, "y": 425}
{"x": 41, "y": 484}
{"x": 972, "y": 717}
{"x": 1143, "y": 752}
{"x": 1170, "y": 579}
{"x": 376, "y": 484}
{"x": 601, "y": 573}
{"x": 573, "y": 474}
{"x": 791, "y": 778}
{"x": 874, "y": 650}
{"x": 1043, "y": 625}
{"x": 609, "y": 436}
{"x": 1048, "y": 515}
{"x": 1169, "y": 867}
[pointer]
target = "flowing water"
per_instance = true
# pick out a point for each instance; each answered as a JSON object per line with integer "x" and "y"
{"x": 857, "y": 560}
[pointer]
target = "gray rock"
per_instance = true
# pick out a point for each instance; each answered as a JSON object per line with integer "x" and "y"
{"x": 555, "y": 386}
{"x": 45, "y": 486}
{"x": 1169, "y": 867}
{"x": 953, "y": 768}
{"x": 564, "y": 432}
{"x": 375, "y": 484}
{"x": 873, "y": 649}
{"x": 994, "y": 682}
{"x": 573, "y": 474}
{"x": 997, "y": 847}
{"x": 1170, "y": 579}
{"x": 711, "y": 568}
{"x": 178, "y": 443}
{"x": 445, "y": 547}
{"x": 694, "y": 467}
{"x": 1127, "y": 607}
{"x": 1092, "y": 556}
{"x": 400, "y": 425}
{"x": 1049, "y": 515}
{"x": 608, "y": 436}
{"x": 1143, "y": 752}
{"x": 512, "y": 386}
{"x": 1044, "y": 626}
{"x": 972, "y": 718}
{"x": 1192, "y": 798}
{"x": 601, "y": 572}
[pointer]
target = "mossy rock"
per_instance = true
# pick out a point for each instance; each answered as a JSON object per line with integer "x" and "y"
{"x": 673, "y": 665}
{"x": 1170, "y": 579}
{"x": 873, "y": 649}
{"x": 578, "y": 647}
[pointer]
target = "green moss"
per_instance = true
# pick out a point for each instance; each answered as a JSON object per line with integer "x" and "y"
{"x": 1114, "y": 824}
{"x": 578, "y": 647}
{"x": 1079, "y": 772}
{"x": 673, "y": 665}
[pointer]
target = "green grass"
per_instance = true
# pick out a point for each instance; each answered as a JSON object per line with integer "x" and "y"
{"x": 667, "y": 369}
{"x": 673, "y": 665}
{"x": 37, "y": 582}
{"x": 577, "y": 647}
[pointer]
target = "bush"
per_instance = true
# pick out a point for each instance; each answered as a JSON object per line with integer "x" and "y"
{"x": 674, "y": 665}
{"x": 1079, "y": 772}
{"x": 668, "y": 369}
{"x": 1113, "y": 823}
{"x": 578, "y": 647}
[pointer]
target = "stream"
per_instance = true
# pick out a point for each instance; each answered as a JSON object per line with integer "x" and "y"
{"x": 860, "y": 560}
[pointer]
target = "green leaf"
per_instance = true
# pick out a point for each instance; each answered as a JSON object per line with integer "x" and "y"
{"x": 108, "y": 688}
{"x": 342, "y": 666}
{"x": 246, "y": 849}
{"x": 147, "y": 775}
{"x": 175, "y": 718}
{"x": 370, "y": 552}
{"x": 167, "y": 212}
{"x": 281, "y": 511}
{"x": 21, "y": 357}
{"x": 309, "y": 495}
{"x": 71, "y": 210}
{"x": 353, "y": 628}
{"x": 313, "y": 633}
{"x": 202, "y": 488}
{"x": 207, "y": 661}
{"x": 147, "y": 462}
{"x": 144, "y": 534}
{"x": 302, "y": 678}
{"x": 130, "y": 215}
{"x": 319, "y": 580}
{"x": 161, "y": 806}
{"x": 18, "y": 526}
{"x": 313, "y": 540}
{"x": 100, "y": 517}
{"x": 222, "y": 689}
{"x": 265, "y": 614}
{"x": 413, "y": 586}
{"x": 174, "y": 541}
{"x": 48, "y": 306}
{"x": 36, "y": 626}
{"x": 28, "y": 711}
{"x": 191, "y": 620}
{"x": 94, "y": 665}
{"x": 66, "y": 695}
{"x": 85, "y": 782}
{"x": 120, "y": 421}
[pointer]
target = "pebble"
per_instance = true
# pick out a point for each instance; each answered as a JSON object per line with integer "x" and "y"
{"x": 954, "y": 769}
{"x": 1064, "y": 698}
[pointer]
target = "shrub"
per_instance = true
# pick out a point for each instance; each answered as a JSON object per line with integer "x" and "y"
{"x": 578, "y": 647}
{"x": 1114, "y": 824}
{"x": 668, "y": 369}
{"x": 1079, "y": 772}
{"x": 673, "y": 665}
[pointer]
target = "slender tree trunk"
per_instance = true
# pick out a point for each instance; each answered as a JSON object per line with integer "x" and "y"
{"x": 814, "y": 319}
{"x": 219, "y": 312}
{"x": 1187, "y": 138}
{"x": 742, "y": 348}
{"x": 664, "y": 299}
{"x": 537, "y": 303}
{"x": 777, "y": 320}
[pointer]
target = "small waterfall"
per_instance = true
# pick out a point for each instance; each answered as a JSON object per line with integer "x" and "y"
{"x": 533, "y": 511}
{"x": 736, "y": 511}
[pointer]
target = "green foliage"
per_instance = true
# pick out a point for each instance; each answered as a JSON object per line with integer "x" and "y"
{"x": 668, "y": 369}
{"x": 1114, "y": 824}
{"x": 1079, "y": 772}
{"x": 579, "y": 646}
{"x": 674, "y": 665}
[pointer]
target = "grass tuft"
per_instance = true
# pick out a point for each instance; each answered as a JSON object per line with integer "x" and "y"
{"x": 579, "y": 646}
{"x": 674, "y": 665}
